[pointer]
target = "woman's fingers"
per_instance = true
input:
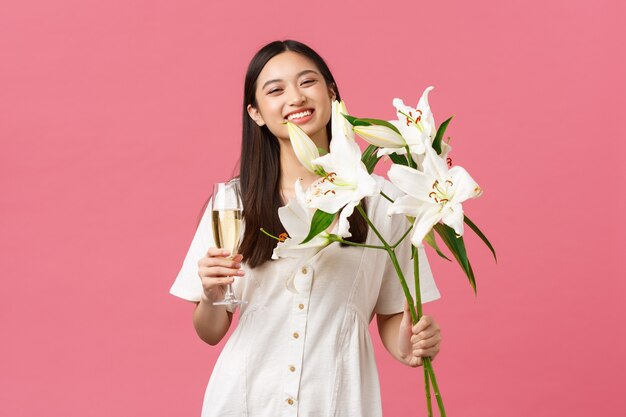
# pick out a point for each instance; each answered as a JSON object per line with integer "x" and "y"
{"x": 425, "y": 342}
{"x": 217, "y": 261}
{"x": 415, "y": 362}
{"x": 426, "y": 339}
{"x": 220, "y": 272}
{"x": 219, "y": 252}
{"x": 424, "y": 323}
{"x": 217, "y": 269}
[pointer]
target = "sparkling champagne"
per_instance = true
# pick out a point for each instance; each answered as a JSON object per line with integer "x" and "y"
{"x": 227, "y": 229}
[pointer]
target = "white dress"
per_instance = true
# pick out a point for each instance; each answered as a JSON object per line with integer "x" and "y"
{"x": 306, "y": 351}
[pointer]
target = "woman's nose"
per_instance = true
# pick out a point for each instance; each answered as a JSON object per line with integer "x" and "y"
{"x": 297, "y": 98}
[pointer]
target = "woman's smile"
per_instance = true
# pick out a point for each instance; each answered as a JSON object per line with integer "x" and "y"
{"x": 300, "y": 116}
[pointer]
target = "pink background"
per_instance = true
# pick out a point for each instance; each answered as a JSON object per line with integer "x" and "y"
{"x": 116, "y": 118}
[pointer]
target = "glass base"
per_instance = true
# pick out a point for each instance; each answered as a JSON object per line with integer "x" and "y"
{"x": 229, "y": 302}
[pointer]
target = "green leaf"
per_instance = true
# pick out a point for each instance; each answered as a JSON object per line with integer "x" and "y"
{"x": 369, "y": 158}
{"x": 322, "y": 151}
{"x": 457, "y": 247}
{"x": 398, "y": 159}
{"x": 320, "y": 222}
{"x": 379, "y": 122}
{"x": 439, "y": 135}
{"x": 430, "y": 239}
{"x": 481, "y": 235}
{"x": 355, "y": 121}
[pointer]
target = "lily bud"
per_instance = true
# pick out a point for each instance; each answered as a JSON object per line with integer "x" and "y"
{"x": 339, "y": 124}
{"x": 303, "y": 147}
{"x": 380, "y": 136}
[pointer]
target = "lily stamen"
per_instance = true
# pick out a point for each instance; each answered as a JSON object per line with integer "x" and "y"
{"x": 330, "y": 177}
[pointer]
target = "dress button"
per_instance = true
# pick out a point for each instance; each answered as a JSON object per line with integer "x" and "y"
{"x": 290, "y": 401}
{"x": 304, "y": 270}
{"x": 296, "y": 335}
{"x": 292, "y": 368}
{"x": 301, "y": 306}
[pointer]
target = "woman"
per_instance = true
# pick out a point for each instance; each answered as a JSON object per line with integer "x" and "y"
{"x": 302, "y": 345}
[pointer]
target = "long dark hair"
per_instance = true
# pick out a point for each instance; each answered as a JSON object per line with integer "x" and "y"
{"x": 260, "y": 163}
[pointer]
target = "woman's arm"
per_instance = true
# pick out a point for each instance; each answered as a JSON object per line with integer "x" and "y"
{"x": 211, "y": 322}
{"x": 409, "y": 344}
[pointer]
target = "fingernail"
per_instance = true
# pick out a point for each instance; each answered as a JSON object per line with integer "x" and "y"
{"x": 225, "y": 253}
{"x": 240, "y": 272}
{"x": 237, "y": 265}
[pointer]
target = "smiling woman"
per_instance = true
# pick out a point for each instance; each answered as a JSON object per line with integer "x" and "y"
{"x": 302, "y": 344}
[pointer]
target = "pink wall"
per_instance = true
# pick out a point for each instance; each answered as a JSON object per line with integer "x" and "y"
{"x": 116, "y": 118}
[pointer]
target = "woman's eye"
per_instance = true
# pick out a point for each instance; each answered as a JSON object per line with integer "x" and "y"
{"x": 308, "y": 82}
{"x": 274, "y": 90}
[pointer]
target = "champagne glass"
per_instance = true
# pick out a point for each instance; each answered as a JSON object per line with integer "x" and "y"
{"x": 226, "y": 218}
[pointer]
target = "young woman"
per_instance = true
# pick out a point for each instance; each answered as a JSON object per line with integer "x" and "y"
{"x": 302, "y": 345}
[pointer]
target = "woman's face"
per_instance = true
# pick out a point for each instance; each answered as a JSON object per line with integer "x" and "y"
{"x": 291, "y": 87}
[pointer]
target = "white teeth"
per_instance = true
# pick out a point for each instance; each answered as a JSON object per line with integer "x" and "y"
{"x": 299, "y": 115}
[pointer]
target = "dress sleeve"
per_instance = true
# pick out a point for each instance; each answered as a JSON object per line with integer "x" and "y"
{"x": 187, "y": 284}
{"x": 391, "y": 296}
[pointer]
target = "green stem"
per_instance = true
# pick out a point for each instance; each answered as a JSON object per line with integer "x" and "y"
{"x": 402, "y": 238}
{"x": 431, "y": 373}
{"x": 405, "y": 287}
{"x": 416, "y": 276}
{"x": 387, "y": 197}
{"x": 394, "y": 261}
{"x": 347, "y": 242}
{"x": 369, "y": 222}
{"x": 418, "y": 305}
{"x": 429, "y": 402}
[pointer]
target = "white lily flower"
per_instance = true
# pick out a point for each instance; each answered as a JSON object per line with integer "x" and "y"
{"x": 416, "y": 126}
{"x": 347, "y": 181}
{"x": 296, "y": 217}
{"x": 303, "y": 147}
{"x": 433, "y": 195}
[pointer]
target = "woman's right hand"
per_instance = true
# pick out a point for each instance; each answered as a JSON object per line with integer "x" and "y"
{"x": 216, "y": 270}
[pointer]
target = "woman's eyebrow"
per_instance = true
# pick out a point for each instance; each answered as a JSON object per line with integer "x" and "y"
{"x": 300, "y": 74}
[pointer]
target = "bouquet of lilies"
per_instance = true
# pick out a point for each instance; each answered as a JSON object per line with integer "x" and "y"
{"x": 421, "y": 168}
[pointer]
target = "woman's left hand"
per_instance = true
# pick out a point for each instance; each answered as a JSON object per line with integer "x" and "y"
{"x": 418, "y": 341}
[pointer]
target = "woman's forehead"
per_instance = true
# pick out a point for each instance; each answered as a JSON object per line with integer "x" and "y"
{"x": 286, "y": 65}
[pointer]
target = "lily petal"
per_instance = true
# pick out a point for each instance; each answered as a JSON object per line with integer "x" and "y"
{"x": 465, "y": 186}
{"x": 406, "y": 204}
{"x": 328, "y": 197}
{"x": 453, "y": 217}
{"x": 424, "y": 221}
{"x": 343, "y": 226}
{"x": 411, "y": 181}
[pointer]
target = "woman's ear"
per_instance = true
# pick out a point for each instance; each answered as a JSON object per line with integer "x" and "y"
{"x": 255, "y": 115}
{"x": 333, "y": 95}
